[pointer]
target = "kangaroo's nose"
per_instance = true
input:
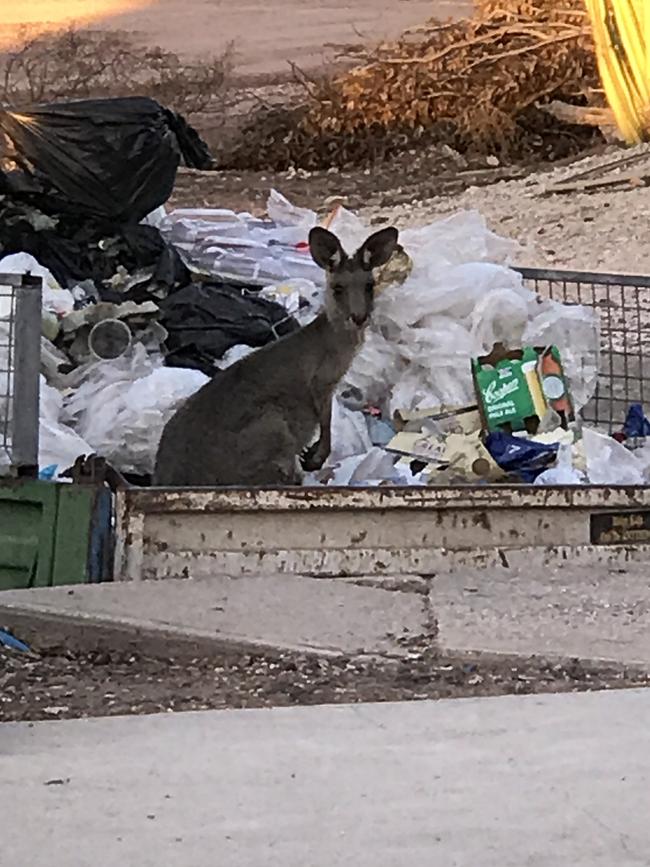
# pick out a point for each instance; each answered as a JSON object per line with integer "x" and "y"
{"x": 359, "y": 319}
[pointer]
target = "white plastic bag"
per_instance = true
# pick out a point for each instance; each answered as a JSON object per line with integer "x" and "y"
{"x": 452, "y": 291}
{"x": 284, "y": 213}
{"x": 499, "y": 317}
{"x": 462, "y": 237}
{"x": 563, "y": 473}
{"x": 235, "y": 353}
{"x": 575, "y": 330}
{"x": 374, "y": 368}
{"x": 121, "y": 407}
{"x": 609, "y": 462}
{"x": 55, "y": 299}
{"x": 349, "y": 433}
{"x": 59, "y": 445}
{"x": 371, "y": 468}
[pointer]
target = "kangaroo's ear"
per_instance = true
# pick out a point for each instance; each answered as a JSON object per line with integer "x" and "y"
{"x": 378, "y": 249}
{"x": 326, "y": 249}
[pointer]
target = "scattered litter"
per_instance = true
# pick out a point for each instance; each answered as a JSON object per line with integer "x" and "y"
{"x": 516, "y": 388}
{"x": 120, "y": 407}
{"x": 519, "y": 456}
{"x": 636, "y": 427}
{"x": 465, "y": 375}
{"x": 13, "y": 643}
{"x": 470, "y": 461}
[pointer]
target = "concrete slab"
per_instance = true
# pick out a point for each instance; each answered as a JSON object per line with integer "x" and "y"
{"x": 507, "y": 782}
{"x": 601, "y": 613}
{"x": 283, "y": 611}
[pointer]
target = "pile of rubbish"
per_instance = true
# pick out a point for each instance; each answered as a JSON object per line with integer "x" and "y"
{"x": 465, "y": 376}
{"x": 474, "y": 83}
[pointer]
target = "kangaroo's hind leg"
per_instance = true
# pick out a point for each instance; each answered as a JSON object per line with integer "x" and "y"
{"x": 269, "y": 453}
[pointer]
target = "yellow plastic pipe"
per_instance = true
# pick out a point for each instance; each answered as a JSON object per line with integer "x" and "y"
{"x": 621, "y": 31}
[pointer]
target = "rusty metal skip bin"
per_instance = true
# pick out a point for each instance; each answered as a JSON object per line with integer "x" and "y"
{"x": 381, "y": 531}
{"x": 420, "y": 530}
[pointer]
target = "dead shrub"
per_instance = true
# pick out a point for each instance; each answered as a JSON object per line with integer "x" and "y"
{"x": 473, "y": 84}
{"x": 84, "y": 64}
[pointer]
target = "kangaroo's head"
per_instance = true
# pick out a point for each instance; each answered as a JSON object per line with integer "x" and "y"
{"x": 350, "y": 281}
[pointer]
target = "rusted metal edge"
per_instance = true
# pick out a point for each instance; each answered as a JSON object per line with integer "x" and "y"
{"x": 603, "y": 278}
{"x": 219, "y": 500}
{"x": 373, "y": 563}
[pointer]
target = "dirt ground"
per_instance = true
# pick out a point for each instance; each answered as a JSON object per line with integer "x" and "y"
{"x": 266, "y": 35}
{"x": 61, "y": 683}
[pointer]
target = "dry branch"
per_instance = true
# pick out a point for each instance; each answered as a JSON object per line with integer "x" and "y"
{"x": 471, "y": 84}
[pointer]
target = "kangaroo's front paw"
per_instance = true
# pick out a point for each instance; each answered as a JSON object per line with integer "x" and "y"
{"x": 312, "y": 458}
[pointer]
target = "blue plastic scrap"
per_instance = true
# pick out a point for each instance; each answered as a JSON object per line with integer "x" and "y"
{"x": 636, "y": 424}
{"x": 521, "y": 456}
{"x": 8, "y": 640}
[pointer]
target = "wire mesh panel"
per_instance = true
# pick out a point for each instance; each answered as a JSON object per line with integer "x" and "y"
{"x": 7, "y": 320}
{"x": 623, "y": 305}
{"x": 20, "y": 330}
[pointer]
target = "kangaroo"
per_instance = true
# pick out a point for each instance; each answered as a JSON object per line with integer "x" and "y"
{"x": 253, "y": 423}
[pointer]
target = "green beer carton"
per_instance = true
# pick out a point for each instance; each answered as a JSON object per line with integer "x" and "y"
{"x": 509, "y": 390}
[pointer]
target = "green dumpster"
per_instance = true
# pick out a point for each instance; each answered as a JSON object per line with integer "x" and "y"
{"x": 54, "y": 533}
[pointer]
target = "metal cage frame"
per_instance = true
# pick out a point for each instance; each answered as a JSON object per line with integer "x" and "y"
{"x": 20, "y": 364}
{"x": 623, "y": 302}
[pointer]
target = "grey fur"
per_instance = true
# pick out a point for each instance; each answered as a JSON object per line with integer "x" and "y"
{"x": 251, "y": 423}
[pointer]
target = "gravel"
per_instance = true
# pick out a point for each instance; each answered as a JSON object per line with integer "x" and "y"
{"x": 61, "y": 683}
{"x": 598, "y": 231}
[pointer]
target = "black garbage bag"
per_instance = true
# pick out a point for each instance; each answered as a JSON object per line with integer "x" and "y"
{"x": 75, "y": 249}
{"x": 195, "y": 152}
{"x": 204, "y": 320}
{"x": 115, "y": 159}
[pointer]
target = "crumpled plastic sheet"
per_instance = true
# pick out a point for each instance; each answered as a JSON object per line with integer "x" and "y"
{"x": 350, "y": 434}
{"x": 54, "y": 299}
{"x": 121, "y": 407}
{"x": 368, "y": 469}
{"x": 610, "y": 463}
{"x": 241, "y": 248}
{"x": 301, "y": 298}
{"x": 564, "y": 472}
{"x": 59, "y": 446}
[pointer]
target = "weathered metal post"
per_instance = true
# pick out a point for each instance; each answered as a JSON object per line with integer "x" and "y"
{"x": 27, "y": 365}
